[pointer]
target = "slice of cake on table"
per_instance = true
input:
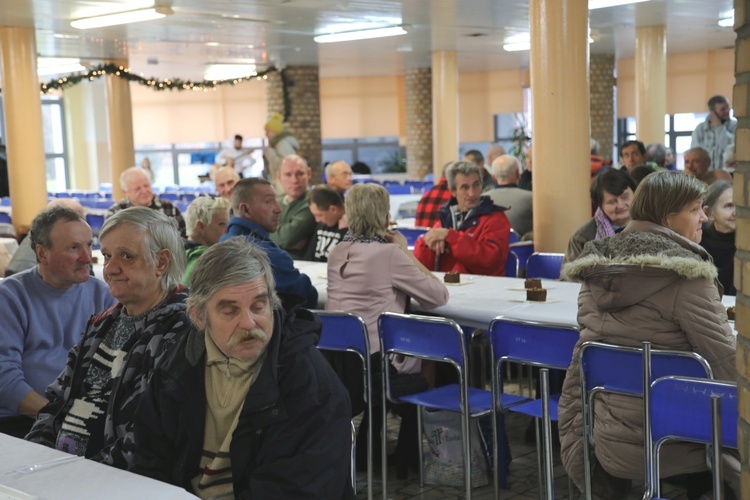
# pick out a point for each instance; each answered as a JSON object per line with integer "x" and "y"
{"x": 452, "y": 277}
{"x": 536, "y": 294}
{"x": 532, "y": 283}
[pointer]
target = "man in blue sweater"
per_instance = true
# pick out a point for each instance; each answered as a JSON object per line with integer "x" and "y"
{"x": 43, "y": 312}
{"x": 256, "y": 214}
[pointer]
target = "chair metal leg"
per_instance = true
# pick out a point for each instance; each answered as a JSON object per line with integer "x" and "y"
{"x": 466, "y": 441}
{"x": 369, "y": 447}
{"x": 547, "y": 435}
{"x": 353, "y": 458}
{"x": 384, "y": 436}
{"x": 716, "y": 458}
{"x": 419, "y": 446}
{"x": 539, "y": 459}
{"x": 587, "y": 423}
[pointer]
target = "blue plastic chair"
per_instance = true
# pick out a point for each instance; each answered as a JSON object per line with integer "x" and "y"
{"x": 544, "y": 265}
{"x": 511, "y": 265}
{"x": 412, "y": 234}
{"x": 96, "y": 222}
{"x": 103, "y": 203}
{"x": 637, "y": 367}
{"x": 398, "y": 189}
{"x": 436, "y": 339}
{"x": 347, "y": 332}
{"x": 543, "y": 346}
{"x": 5, "y": 218}
{"x": 695, "y": 410}
{"x": 514, "y": 236}
{"x": 522, "y": 249}
{"x": 5, "y": 202}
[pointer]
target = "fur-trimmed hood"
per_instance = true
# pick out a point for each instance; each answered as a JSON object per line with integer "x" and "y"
{"x": 624, "y": 269}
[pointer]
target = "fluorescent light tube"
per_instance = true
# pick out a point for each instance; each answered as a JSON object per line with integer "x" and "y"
{"x": 726, "y": 19}
{"x": 603, "y": 4}
{"x": 58, "y": 65}
{"x": 131, "y": 16}
{"x": 228, "y": 71}
{"x": 521, "y": 42}
{"x": 360, "y": 35}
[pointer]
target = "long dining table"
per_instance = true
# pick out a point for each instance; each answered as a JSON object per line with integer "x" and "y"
{"x": 477, "y": 300}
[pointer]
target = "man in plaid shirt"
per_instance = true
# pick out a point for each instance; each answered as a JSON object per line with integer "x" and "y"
{"x": 431, "y": 201}
{"x": 138, "y": 193}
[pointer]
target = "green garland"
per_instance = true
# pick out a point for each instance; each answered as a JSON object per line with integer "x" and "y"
{"x": 126, "y": 73}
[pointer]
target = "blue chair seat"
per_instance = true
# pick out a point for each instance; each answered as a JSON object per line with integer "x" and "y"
{"x": 448, "y": 398}
{"x": 534, "y": 407}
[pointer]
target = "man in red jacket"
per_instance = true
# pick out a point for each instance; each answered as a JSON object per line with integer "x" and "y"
{"x": 472, "y": 234}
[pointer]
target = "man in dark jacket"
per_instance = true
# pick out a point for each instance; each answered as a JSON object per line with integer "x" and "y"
{"x": 245, "y": 406}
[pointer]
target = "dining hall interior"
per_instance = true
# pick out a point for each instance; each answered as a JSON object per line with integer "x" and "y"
{"x": 539, "y": 77}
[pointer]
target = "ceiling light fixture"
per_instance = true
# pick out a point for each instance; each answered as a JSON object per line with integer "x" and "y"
{"x": 347, "y": 36}
{"x": 218, "y": 72}
{"x": 131, "y": 16}
{"x": 603, "y": 4}
{"x": 726, "y": 19}
{"x": 58, "y": 65}
{"x": 522, "y": 41}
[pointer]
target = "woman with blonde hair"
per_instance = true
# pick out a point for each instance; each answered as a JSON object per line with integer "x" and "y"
{"x": 653, "y": 282}
{"x": 370, "y": 272}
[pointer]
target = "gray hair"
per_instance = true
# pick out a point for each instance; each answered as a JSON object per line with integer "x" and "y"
{"x": 235, "y": 261}
{"x": 506, "y": 167}
{"x": 461, "y": 167}
{"x": 41, "y": 226}
{"x": 127, "y": 173}
{"x": 728, "y": 156}
{"x": 332, "y": 166}
{"x": 159, "y": 233}
{"x": 242, "y": 192}
{"x": 203, "y": 209}
{"x": 656, "y": 153}
{"x": 665, "y": 193}
{"x": 593, "y": 146}
{"x": 713, "y": 194}
{"x": 367, "y": 209}
{"x": 704, "y": 156}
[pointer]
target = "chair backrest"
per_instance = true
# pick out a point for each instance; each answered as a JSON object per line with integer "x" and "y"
{"x": 5, "y": 218}
{"x": 514, "y": 236}
{"x": 103, "y": 203}
{"x": 681, "y": 409}
{"x": 425, "y": 337}
{"x": 544, "y": 265}
{"x": 511, "y": 265}
{"x": 95, "y": 221}
{"x": 344, "y": 331}
{"x": 412, "y": 233}
{"x": 397, "y": 189}
{"x": 597, "y": 359}
{"x": 523, "y": 249}
{"x": 533, "y": 343}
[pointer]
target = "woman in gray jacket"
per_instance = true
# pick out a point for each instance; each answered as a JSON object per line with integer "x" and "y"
{"x": 650, "y": 282}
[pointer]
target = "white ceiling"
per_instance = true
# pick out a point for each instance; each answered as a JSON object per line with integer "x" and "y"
{"x": 281, "y": 32}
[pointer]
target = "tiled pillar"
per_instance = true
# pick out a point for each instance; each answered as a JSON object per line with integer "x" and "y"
{"x": 650, "y": 83}
{"x": 560, "y": 92}
{"x": 120, "y": 119}
{"x": 303, "y": 115}
{"x": 418, "y": 103}
{"x": 741, "y": 106}
{"x": 23, "y": 123}
{"x": 602, "y": 99}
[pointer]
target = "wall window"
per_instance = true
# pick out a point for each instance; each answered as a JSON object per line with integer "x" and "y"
{"x": 678, "y": 132}
{"x": 381, "y": 154}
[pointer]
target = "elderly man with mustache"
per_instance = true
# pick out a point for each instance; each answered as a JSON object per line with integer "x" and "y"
{"x": 245, "y": 406}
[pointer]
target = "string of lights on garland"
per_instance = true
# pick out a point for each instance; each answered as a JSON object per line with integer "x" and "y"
{"x": 61, "y": 83}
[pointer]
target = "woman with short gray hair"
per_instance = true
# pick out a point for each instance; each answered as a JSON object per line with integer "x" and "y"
{"x": 370, "y": 272}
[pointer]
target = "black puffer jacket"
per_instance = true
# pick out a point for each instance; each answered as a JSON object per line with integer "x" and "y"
{"x": 293, "y": 438}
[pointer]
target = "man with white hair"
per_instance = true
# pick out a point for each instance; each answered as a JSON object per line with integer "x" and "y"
{"x": 93, "y": 401}
{"x": 224, "y": 179}
{"x": 339, "y": 176}
{"x": 207, "y": 219}
{"x": 43, "y": 311}
{"x": 245, "y": 406}
{"x": 138, "y": 193}
{"x": 506, "y": 171}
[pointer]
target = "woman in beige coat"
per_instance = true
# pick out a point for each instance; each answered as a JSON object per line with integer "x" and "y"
{"x": 651, "y": 282}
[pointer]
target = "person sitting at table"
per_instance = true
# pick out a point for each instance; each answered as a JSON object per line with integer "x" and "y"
{"x": 339, "y": 176}
{"x": 611, "y": 194}
{"x": 718, "y": 232}
{"x": 256, "y": 215}
{"x": 93, "y": 401}
{"x": 473, "y": 233}
{"x": 370, "y": 272}
{"x": 296, "y": 222}
{"x": 327, "y": 206}
{"x": 428, "y": 207}
{"x": 43, "y": 311}
{"x": 245, "y": 406}
{"x": 206, "y": 220}
{"x": 653, "y": 282}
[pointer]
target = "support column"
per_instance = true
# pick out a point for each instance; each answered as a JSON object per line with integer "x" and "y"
{"x": 602, "y": 87}
{"x": 444, "y": 109}
{"x": 23, "y": 125}
{"x": 560, "y": 93}
{"x": 741, "y": 107}
{"x": 303, "y": 115}
{"x": 650, "y": 83}
{"x": 418, "y": 104}
{"x": 120, "y": 119}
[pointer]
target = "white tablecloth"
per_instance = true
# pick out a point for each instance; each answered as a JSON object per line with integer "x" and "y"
{"x": 483, "y": 298}
{"x": 398, "y": 199}
{"x": 78, "y": 479}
